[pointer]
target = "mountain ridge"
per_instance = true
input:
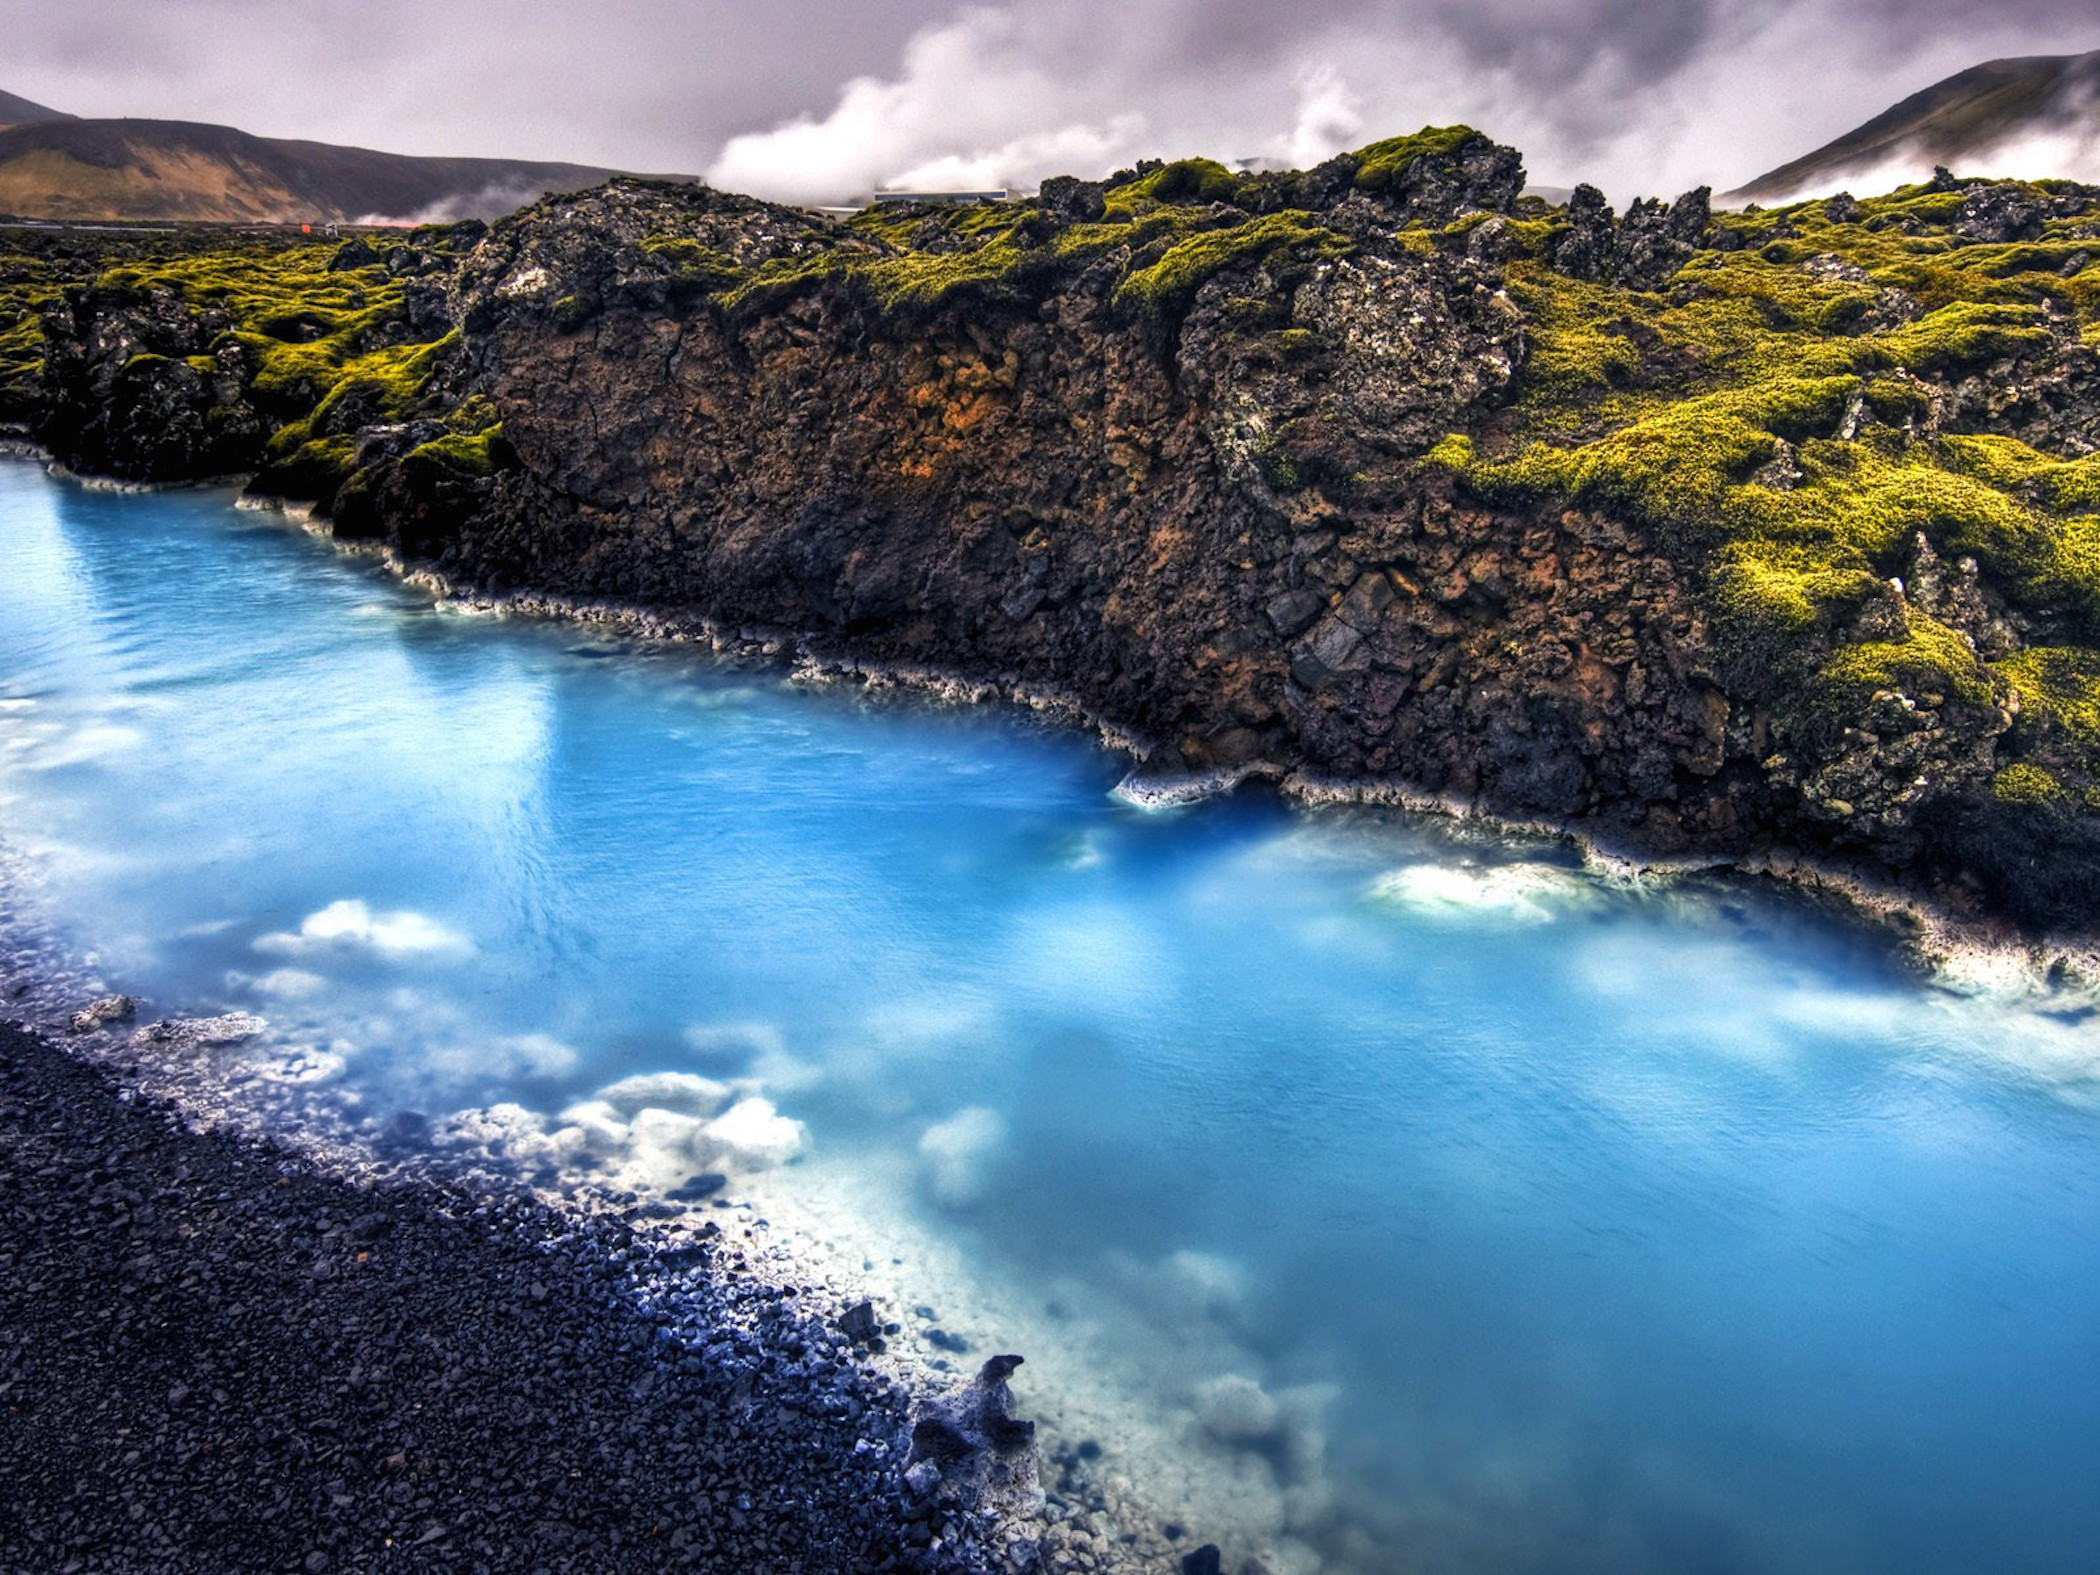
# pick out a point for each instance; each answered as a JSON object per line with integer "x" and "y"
{"x": 1973, "y": 115}
{"x": 120, "y": 169}
{"x": 18, "y": 111}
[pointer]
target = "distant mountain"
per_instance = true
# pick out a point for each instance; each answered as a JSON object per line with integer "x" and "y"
{"x": 20, "y": 112}
{"x": 2045, "y": 106}
{"x": 174, "y": 169}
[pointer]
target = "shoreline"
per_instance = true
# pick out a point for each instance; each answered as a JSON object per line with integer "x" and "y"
{"x": 766, "y": 1306}
{"x": 1966, "y": 954}
{"x": 216, "y": 1354}
{"x": 1963, "y": 953}
{"x": 587, "y": 1341}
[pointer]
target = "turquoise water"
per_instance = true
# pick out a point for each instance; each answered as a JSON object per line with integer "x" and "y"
{"x": 1475, "y": 1215}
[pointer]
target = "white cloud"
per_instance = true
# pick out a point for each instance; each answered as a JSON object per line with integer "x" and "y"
{"x": 1330, "y": 118}
{"x": 1639, "y": 99}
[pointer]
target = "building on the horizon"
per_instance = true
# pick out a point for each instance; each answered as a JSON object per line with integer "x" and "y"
{"x": 883, "y": 197}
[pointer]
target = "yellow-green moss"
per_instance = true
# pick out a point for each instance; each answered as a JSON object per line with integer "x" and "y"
{"x": 2058, "y": 685}
{"x": 474, "y": 415}
{"x": 2025, "y": 783}
{"x": 1182, "y": 182}
{"x": 910, "y": 280}
{"x": 1762, "y": 412}
{"x": 476, "y": 455}
{"x": 1932, "y": 660}
{"x": 1168, "y": 285}
{"x": 1382, "y": 165}
{"x": 390, "y": 383}
{"x": 690, "y": 265}
{"x": 1453, "y": 452}
{"x": 314, "y": 337}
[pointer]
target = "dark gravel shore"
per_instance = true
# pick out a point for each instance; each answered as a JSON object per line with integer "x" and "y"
{"x": 217, "y": 1357}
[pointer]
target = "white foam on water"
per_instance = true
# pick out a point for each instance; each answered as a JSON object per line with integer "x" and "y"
{"x": 752, "y": 1135}
{"x": 351, "y": 923}
{"x": 302, "y": 1065}
{"x": 957, "y": 1155}
{"x": 650, "y": 1132}
{"x": 1085, "y": 852}
{"x": 284, "y": 984}
{"x": 1717, "y": 997}
{"x": 683, "y": 1091}
{"x": 1495, "y": 894}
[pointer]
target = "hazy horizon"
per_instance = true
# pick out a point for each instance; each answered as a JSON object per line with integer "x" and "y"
{"x": 814, "y": 99}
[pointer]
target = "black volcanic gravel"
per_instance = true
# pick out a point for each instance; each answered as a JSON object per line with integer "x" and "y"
{"x": 216, "y": 1357}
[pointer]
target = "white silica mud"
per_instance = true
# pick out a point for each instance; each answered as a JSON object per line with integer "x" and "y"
{"x": 1364, "y": 1194}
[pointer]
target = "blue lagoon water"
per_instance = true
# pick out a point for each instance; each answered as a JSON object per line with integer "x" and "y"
{"x": 1387, "y": 1199}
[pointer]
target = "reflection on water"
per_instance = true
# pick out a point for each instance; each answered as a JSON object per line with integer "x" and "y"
{"x": 1384, "y": 1200}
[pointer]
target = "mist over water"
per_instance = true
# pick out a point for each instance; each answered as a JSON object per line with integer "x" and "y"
{"x": 1380, "y": 1197}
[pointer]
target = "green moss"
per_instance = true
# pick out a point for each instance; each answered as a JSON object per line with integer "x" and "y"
{"x": 482, "y": 454}
{"x": 1166, "y": 287}
{"x": 889, "y": 224}
{"x": 2058, "y": 687}
{"x": 1083, "y": 243}
{"x": 2058, "y": 486}
{"x": 691, "y": 266}
{"x": 385, "y": 385}
{"x": 1453, "y": 452}
{"x": 315, "y": 340}
{"x": 475, "y": 415}
{"x": 1010, "y": 254}
{"x": 1763, "y": 413}
{"x": 1933, "y": 660}
{"x": 312, "y": 469}
{"x": 999, "y": 265}
{"x": 1772, "y": 592}
{"x": 1382, "y": 166}
{"x": 2024, "y": 783}
{"x": 1183, "y": 182}
{"x": 1966, "y": 336}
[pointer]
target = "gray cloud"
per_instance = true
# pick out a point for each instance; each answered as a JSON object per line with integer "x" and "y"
{"x": 813, "y": 98}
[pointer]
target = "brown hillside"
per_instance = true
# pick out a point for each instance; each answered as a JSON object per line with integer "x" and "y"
{"x": 165, "y": 169}
{"x": 1957, "y": 121}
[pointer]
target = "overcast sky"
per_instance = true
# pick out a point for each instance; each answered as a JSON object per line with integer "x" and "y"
{"x": 810, "y": 99}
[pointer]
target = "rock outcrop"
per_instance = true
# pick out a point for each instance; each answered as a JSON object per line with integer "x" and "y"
{"x": 143, "y": 388}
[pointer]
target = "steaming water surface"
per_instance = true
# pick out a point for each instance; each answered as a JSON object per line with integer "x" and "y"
{"x": 1375, "y": 1201}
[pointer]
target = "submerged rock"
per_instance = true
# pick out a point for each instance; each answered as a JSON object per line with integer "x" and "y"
{"x": 101, "y": 1012}
{"x": 859, "y": 1324}
{"x": 980, "y": 1451}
